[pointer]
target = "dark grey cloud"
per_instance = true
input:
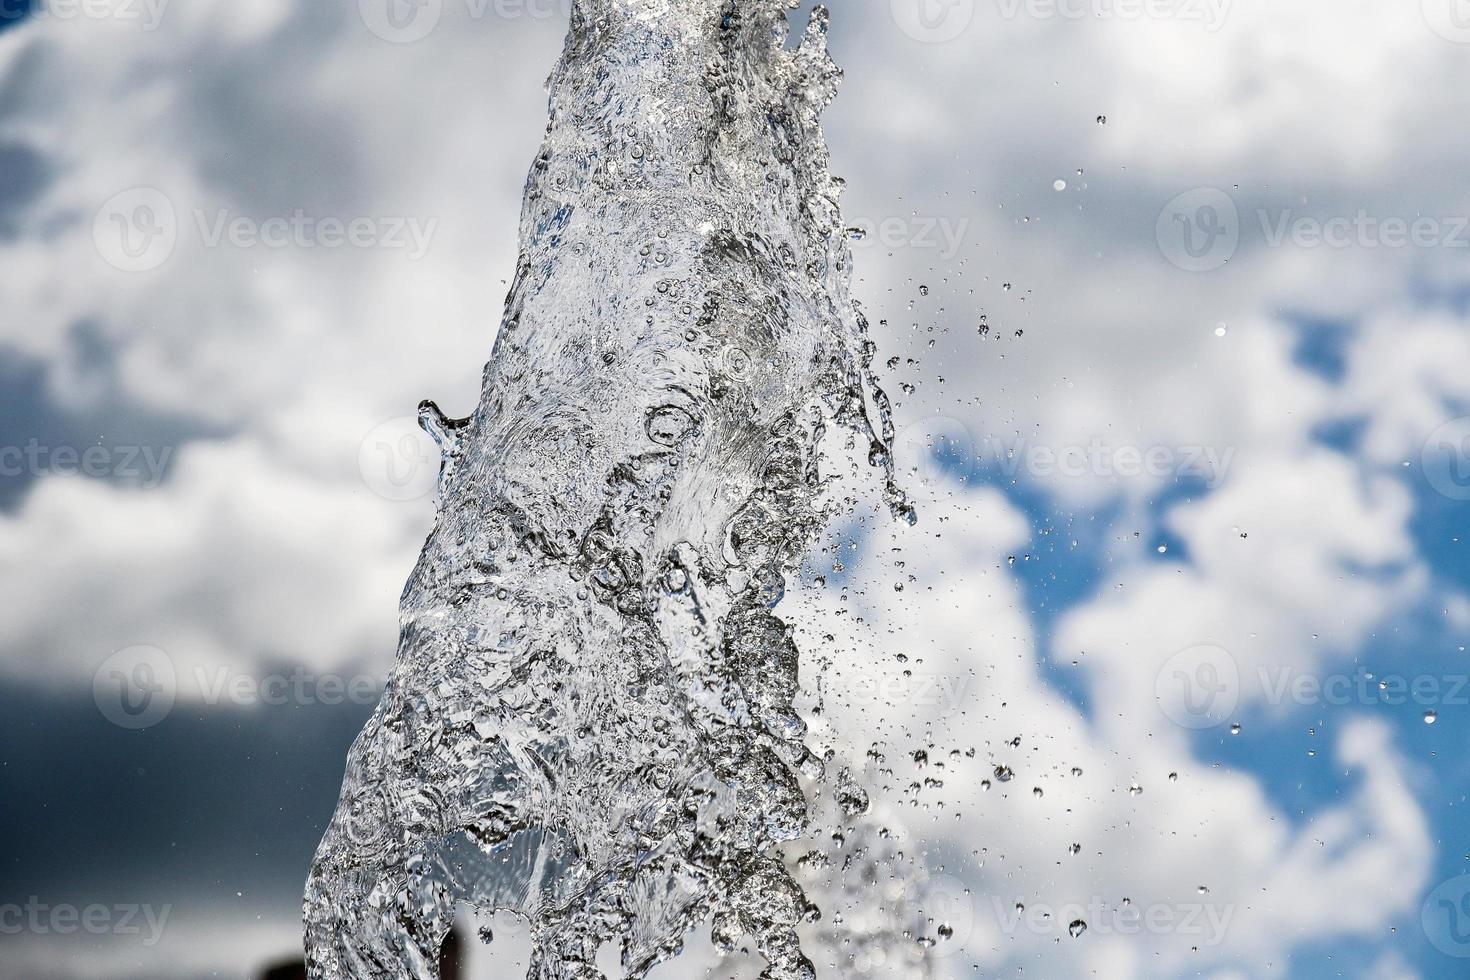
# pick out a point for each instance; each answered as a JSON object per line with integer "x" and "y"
{"x": 41, "y": 435}
{"x": 23, "y": 176}
{"x": 210, "y": 802}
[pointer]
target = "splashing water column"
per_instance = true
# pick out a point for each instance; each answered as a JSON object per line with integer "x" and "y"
{"x": 590, "y": 721}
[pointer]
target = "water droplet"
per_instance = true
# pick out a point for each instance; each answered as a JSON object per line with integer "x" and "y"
{"x": 851, "y": 797}
{"x": 1430, "y": 717}
{"x": 1059, "y": 184}
{"x": 1077, "y": 928}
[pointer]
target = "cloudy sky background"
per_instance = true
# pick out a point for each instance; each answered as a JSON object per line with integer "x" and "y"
{"x": 1117, "y": 210}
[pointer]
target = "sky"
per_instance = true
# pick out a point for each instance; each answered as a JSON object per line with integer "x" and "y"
{"x": 1174, "y": 301}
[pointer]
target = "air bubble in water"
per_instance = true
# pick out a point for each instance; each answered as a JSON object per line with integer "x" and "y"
{"x": 668, "y": 424}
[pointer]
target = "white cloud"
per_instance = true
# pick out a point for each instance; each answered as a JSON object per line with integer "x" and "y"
{"x": 234, "y": 561}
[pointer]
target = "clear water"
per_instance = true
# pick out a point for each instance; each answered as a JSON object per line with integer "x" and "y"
{"x": 591, "y": 720}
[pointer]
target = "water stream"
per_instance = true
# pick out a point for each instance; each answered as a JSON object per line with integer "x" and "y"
{"x": 591, "y": 719}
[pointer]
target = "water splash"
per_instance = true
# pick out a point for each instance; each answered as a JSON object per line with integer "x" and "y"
{"x": 591, "y": 719}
